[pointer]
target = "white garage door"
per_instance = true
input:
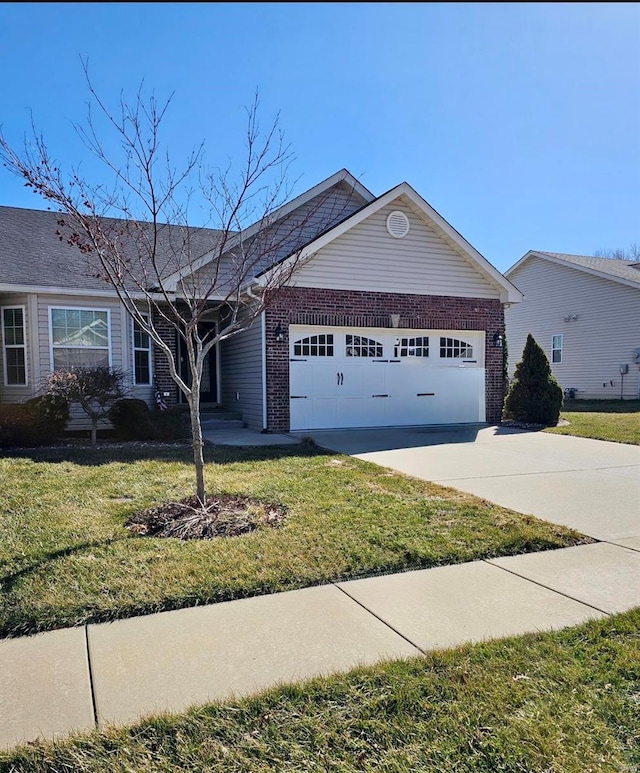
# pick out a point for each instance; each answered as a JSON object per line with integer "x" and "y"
{"x": 373, "y": 377}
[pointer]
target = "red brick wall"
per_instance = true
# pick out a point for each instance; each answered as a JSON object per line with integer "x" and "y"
{"x": 348, "y": 308}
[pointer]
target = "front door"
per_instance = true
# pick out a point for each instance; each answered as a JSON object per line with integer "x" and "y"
{"x": 208, "y": 385}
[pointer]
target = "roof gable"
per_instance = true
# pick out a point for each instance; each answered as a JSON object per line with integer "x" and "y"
{"x": 406, "y": 195}
{"x": 623, "y": 271}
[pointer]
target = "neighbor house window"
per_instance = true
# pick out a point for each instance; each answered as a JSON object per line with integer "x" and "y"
{"x": 14, "y": 344}
{"x": 556, "y": 349}
{"x": 141, "y": 354}
{"x": 79, "y": 338}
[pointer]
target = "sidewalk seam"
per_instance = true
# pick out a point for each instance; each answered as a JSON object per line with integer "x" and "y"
{"x": 377, "y": 617}
{"x": 547, "y": 587}
{"x": 91, "y": 686}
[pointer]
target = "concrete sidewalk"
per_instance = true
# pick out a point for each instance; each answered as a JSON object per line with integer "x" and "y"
{"x": 74, "y": 679}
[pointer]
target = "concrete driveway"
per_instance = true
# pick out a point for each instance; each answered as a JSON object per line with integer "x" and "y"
{"x": 590, "y": 485}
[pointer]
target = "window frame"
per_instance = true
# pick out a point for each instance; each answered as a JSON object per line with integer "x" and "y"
{"x": 53, "y": 347}
{"x": 148, "y": 349}
{"x": 422, "y": 346}
{"x": 555, "y": 349}
{"x": 327, "y": 345}
{"x": 359, "y": 347}
{"x": 22, "y": 346}
{"x": 456, "y": 344}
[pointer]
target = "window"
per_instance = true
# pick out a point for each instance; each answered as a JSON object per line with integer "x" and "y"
{"x": 314, "y": 346}
{"x": 79, "y": 338}
{"x": 14, "y": 342}
{"x": 556, "y": 349}
{"x": 452, "y": 348}
{"x": 141, "y": 354}
{"x": 359, "y": 346}
{"x": 411, "y": 347}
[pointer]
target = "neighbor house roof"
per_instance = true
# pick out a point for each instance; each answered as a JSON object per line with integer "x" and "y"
{"x": 624, "y": 271}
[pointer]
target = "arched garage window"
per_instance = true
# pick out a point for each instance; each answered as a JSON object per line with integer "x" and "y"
{"x": 454, "y": 348}
{"x": 314, "y": 346}
{"x": 359, "y": 346}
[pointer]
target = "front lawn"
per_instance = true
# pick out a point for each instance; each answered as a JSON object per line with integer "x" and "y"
{"x": 615, "y": 420}
{"x": 564, "y": 702}
{"x": 66, "y": 557}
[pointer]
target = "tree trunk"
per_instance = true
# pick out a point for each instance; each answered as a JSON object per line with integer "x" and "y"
{"x": 197, "y": 442}
{"x": 94, "y": 430}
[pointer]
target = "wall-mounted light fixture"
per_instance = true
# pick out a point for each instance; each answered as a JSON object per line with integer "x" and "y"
{"x": 571, "y": 317}
{"x": 498, "y": 340}
{"x": 279, "y": 333}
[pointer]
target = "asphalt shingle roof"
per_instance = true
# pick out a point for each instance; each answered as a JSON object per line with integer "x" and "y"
{"x": 621, "y": 269}
{"x": 32, "y": 255}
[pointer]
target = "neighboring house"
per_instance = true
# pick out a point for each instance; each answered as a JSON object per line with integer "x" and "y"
{"x": 585, "y": 313}
{"x": 391, "y": 318}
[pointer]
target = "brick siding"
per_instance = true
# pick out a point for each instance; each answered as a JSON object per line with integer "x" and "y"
{"x": 349, "y": 308}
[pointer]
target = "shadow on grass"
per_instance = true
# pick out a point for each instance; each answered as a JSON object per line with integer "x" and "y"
{"x": 174, "y": 452}
{"x": 9, "y": 580}
{"x": 601, "y": 406}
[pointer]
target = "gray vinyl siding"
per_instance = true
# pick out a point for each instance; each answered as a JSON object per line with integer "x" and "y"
{"x": 118, "y": 338}
{"x": 18, "y": 393}
{"x": 603, "y": 336}
{"x": 241, "y": 369}
{"x": 367, "y": 257}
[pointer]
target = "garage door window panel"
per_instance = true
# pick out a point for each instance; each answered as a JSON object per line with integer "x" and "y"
{"x": 360, "y": 346}
{"x": 455, "y": 349}
{"x": 314, "y": 346}
{"x": 413, "y": 346}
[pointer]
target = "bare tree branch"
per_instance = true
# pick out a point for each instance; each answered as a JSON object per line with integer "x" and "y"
{"x": 132, "y": 227}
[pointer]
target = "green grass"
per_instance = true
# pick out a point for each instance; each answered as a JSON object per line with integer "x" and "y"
{"x": 565, "y": 702}
{"x": 66, "y": 557}
{"x": 615, "y": 420}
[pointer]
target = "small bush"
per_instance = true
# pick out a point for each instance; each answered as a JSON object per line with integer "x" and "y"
{"x": 133, "y": 420}
{"x": 534, "y": 396}
{"x": 36, "y": 422}
{"x": 171, "y": 424}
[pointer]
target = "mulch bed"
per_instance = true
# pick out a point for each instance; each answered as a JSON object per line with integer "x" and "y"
{"x": 224, "y": 515}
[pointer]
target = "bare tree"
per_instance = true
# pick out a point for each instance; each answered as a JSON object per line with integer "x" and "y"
{"x": 133, "y": 230}
{"x": 620, "y": 253}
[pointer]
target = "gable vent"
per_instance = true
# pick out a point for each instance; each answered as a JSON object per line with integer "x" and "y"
{"x": 398, "y": 224}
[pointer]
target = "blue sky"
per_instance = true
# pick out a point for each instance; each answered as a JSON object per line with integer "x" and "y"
{"x": 519, "y": 123}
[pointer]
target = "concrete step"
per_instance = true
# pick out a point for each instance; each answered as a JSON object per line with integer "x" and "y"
{"x": 213, "y": 424}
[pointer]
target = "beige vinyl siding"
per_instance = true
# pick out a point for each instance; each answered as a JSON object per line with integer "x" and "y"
{"x": 367, "y": 257}
{"x": 18, "y": 393}
{"x": 241, "y": 369}
{"x": 595, "y": 344}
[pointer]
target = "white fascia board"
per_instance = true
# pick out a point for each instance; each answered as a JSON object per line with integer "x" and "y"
{"x": 576, "y": 266}
{"x": 508, "y": 292}
{"x": 342, "y": 176}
